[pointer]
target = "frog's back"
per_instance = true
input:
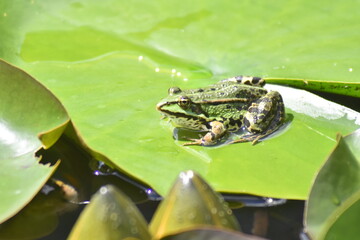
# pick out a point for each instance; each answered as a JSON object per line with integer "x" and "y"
{"x": 225, "y": 90}
{"x": 226, "y": 100}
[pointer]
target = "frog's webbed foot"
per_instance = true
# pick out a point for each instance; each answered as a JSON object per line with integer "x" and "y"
{"x": 218, "y": 130}
{"x": 252, "y": 138}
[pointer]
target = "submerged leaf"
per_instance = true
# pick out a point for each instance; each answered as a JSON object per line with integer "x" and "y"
{"x": 191, "y": 203}
{"x": 110, "y": 215}
{"x": 39, "y": 218}
{"x": 211, "y": 234}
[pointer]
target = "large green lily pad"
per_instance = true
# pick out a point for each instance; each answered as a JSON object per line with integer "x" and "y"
{"x": 111, "y": 62}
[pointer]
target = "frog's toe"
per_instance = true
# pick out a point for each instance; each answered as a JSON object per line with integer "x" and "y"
{"x": 239, "y": 141}
{"x": 194, "y": 142}
{"x": 254, "y": 139}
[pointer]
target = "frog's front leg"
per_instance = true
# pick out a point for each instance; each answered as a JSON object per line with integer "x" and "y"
{"x": 263, "y": 117}
{"x": 217, "y": 131}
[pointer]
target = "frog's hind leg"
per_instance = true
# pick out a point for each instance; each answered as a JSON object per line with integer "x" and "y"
{"x": 217, "y": 131}
{"x": 263, "y": 117}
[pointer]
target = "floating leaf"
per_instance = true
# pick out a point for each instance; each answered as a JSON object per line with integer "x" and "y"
{"x": 344, "y": 88}
{"x": 334, "y": 199}
{"x": 27, "y": 109}
{"x": 345, "y": 225}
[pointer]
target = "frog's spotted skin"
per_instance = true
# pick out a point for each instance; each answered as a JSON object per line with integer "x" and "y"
{"x": 253, "y": 81}
{"x": 226, "y": 106}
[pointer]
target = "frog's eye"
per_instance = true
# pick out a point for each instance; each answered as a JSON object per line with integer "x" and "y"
{"x": 174, "y": 90}
{"x": 184, "y": 102}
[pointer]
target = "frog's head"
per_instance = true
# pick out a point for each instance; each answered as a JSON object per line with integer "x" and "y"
{"x": 182, "y": 110}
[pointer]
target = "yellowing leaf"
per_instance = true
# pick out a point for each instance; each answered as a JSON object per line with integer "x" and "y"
{"x": 110, "y": 215}
{"x": 191, "y": 203}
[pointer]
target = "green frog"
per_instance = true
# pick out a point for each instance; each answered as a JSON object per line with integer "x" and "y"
{"x": 232, "y": 104}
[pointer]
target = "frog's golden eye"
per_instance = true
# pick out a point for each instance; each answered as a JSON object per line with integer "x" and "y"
{"x": 174, "y": 90}
{"x": 184, "y": 102}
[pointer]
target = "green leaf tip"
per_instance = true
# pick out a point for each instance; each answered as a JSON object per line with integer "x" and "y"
{"x": 190, "y": 203}
{"x": 110, "y": 215}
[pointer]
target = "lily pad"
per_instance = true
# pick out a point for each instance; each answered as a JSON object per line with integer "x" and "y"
{"x": 344, "y": 88}
{"x": 27, "y": 110}
{"x": 110, "y": 63}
